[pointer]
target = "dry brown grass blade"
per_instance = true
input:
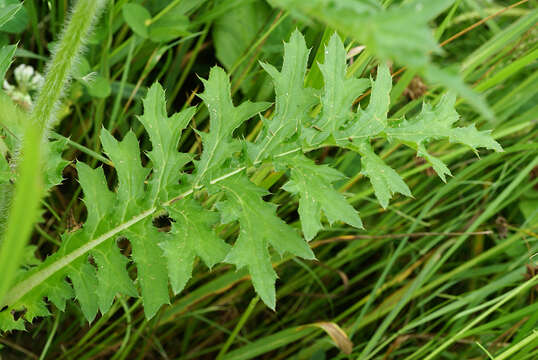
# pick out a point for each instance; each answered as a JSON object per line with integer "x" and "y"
{"x": 339, "y": 336}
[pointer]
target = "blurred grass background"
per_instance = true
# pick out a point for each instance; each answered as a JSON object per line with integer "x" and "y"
{"x": 448, "y": 274}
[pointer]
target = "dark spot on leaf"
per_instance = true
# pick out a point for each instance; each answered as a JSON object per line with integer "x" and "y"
{"x": 163, "y": 222}
{"x": 91, "y": 260}
{"x": 124, "y": 245}
{"x": 17, "y": 314}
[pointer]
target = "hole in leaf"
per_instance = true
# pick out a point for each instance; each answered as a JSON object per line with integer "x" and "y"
{"x": 163, "y": 222}
{"x": 124, "y": 245}
{"x": 91, "y": 260}
{"x": 17, "y": 314}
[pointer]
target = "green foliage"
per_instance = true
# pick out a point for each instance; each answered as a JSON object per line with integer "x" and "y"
{"x": 337, "y": 99}
{"x": 399, "y": 33}
{"x": 95, "y": 265}
{"x": 436, "y": 123}
{"x": 165, "y": 27}
{"x": 13, "y": 16}
{"x": 193, "y": 236}
{"x": 164, "y": 133}
{"x": 385, "y": 180}
{"x": 29, "y": 160}
{"x": 292, "y": 100}
{"x": 16, "y": 120}
{"x": 169, "y": 26}
{"x": 313, "y": 183}
{"x": 235, "y": 34}
{"x": 23, "y": 213}
{"x": 260, "y": 226}
{"x": 136, "y": 16}
{"x": 235, "y": 31}
{"x": 6, "y": 57}
{"x": 224, "y": 119}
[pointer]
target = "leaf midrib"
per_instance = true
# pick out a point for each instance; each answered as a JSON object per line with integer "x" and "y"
{"x": 34, "y": 280}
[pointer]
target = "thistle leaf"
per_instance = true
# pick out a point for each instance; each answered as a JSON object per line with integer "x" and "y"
{"x": 192, "y": 236}
{"x": 55, "y": 164}
{"x": 151, "y": 265}
{"x": 125, "y": 155}
{"x": 373, "y": 120}
{"x": 292, "y": 99}
{"x": 339, "y": 92}
{"x": 224, "y": 119}
{"x": 313, "y": 184}
{"x": 90, "y": 266}
{"x": 164, "y": 133}
{"x": 435, "y": 123}
{"x": 112, "y": 275}
{"x": 260, "y": 227}
{"x": 385, "y": 180}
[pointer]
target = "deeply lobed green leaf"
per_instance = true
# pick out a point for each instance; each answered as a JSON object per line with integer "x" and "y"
{"x": 313, "y": 184}
{"x": 98, "y": 269}
{"x": 260, "y": 227}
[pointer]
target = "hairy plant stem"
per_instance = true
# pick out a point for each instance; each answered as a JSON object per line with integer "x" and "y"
{"x": 64, "y": 58}
{"x": 28, "y": 191}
